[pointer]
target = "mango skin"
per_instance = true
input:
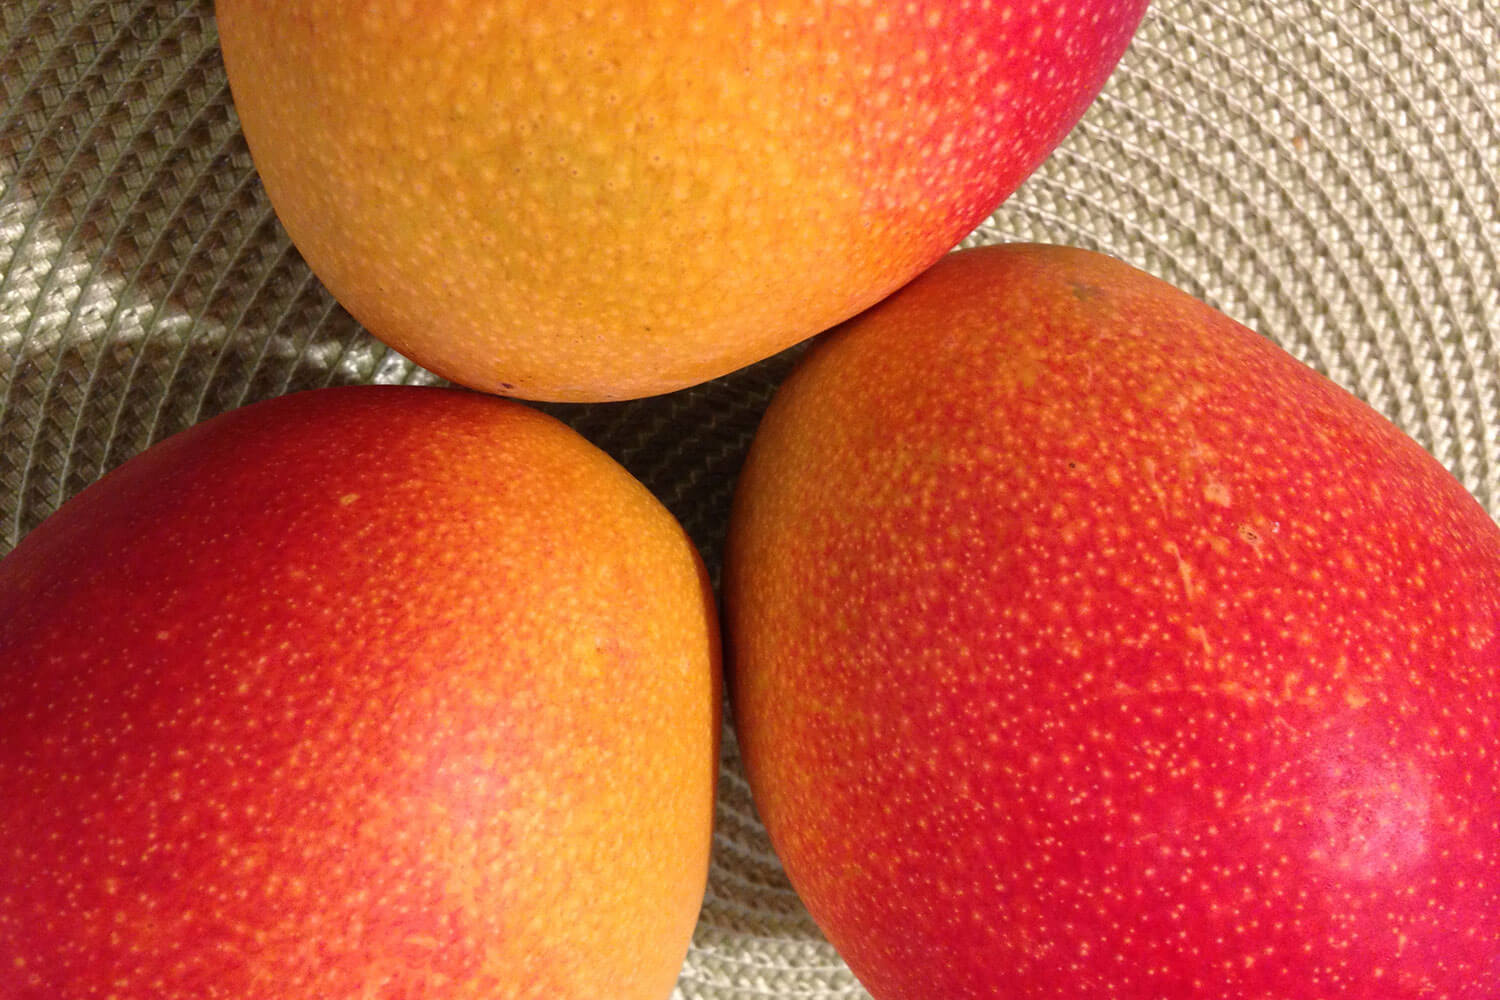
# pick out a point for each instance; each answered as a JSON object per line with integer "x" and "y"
{"x": 1084, "y": 644}
{"x": 359, "y": 692}
{"x": 578, "y": 202}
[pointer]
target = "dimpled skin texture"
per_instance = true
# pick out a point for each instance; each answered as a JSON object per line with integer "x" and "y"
{"x": 396, "y": 692}
{"x": 1085, "y": 645}
{"x": 584, "y": 202}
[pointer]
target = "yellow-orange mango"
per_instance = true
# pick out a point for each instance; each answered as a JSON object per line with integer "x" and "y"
{"x": 584, "y": 201}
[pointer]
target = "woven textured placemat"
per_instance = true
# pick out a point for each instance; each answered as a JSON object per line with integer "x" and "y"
{"x": 1323, "y": 170}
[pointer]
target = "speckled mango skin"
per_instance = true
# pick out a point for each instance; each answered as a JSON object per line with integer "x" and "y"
{"x": 362, "y": 692}
{"x": 1086, "y": 645}
{"x": 586, "y": 202}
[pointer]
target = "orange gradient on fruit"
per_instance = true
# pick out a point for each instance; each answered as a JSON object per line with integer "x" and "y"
{"x": 1086, "y": 645}
{"x": 358, "y": 692}
{"x": 598, "y": 202}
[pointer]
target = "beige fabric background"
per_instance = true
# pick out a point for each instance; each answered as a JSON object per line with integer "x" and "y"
{"x": 1323, "y": 170}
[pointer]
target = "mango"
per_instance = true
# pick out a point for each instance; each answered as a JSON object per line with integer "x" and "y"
{"x": 1084, "y": 644}
{"x": 396, "y": 692}
{"x": 586, "y": 202}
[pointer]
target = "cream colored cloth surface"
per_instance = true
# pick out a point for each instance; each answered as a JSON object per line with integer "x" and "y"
{"x": 1322, "y": 170}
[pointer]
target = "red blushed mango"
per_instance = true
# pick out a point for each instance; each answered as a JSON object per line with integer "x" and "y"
{"x": 1085, "y": 645}
{"x": 358, "y": 692}
{"x": 584, "y": 202}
